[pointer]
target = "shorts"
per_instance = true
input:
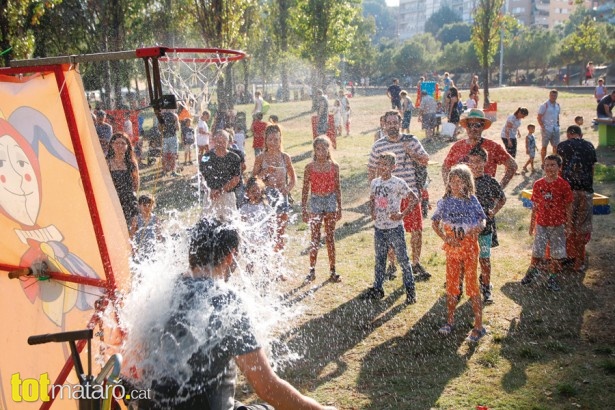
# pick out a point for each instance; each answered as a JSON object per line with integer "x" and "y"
{"x": 414, "y": 220}
{"x": 278, "y": 201}
{"x": 484, "y": 245}
{"x": 582, "y": 211}
{"x": 202, "y": 140}
{"x": 429, "y": 121}
{"x": 555, "y": 237}
{"x": 326, "y": 204}
{"x": 550, "y": 137}
{"x": 170, "y": 145}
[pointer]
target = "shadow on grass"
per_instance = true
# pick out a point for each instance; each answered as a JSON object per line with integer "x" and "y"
{"x": 294, "y": 117}
{"x": 527, "y": 181}
{"x": 323, "y": 341}
{"x": 412, "y": 371}
{"x": 434, "y": 144}
{"x": 549, "y": 326}
{"x": 176, "y": 193}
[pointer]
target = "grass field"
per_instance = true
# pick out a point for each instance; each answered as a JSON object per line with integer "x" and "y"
{"x": 543, "y": 350}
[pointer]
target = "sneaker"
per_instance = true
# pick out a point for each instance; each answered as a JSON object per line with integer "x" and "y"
{"x": 475, "y": 335}
{"x": 410, "y": 297}
{"x": 373, "y": 293}
{"x": 420, "y": 273}
{"x": 552, "y": 284}
{"x": 175, "y": 174}
{"x": 486, "y": 291}
{"x": 311, "y": 277}
{"x": 334, "y": 277}
{"x": 390, "y": 274}
{"x": 530, "y": 275}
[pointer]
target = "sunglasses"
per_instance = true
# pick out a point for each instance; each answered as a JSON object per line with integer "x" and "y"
{"x": 475, "y": 125}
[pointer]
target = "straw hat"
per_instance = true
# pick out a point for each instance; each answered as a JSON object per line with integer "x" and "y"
{"x": 476, "y": 114}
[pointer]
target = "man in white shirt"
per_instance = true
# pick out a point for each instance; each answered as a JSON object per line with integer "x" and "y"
{"x": 548, "y": 119}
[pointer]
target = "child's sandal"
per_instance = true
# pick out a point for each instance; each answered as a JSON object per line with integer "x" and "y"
{"x": 475, "y": 335}
{"x": 447, "y": 329}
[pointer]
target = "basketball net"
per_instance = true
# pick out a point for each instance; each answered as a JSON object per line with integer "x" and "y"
{"x": 192, "y": 74}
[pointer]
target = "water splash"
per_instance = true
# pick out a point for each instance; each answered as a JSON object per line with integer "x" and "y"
{"x": 157, "y": 292}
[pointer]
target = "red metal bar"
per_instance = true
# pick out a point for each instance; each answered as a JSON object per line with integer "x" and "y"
{"x": 85, "y": 177}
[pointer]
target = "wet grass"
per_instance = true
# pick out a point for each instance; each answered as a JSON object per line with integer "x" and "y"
{"x": 543, "y": 350}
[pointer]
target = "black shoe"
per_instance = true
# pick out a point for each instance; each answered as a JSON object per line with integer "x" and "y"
{"x": 390, "y": 274}
{"x": 552, "y": 284}
{"x": 334, "y": 277}
{"x": 410, "y": 297}
{"x": 311, "y": 277}
{"x": 420, "y": 274}
{"x": 530, "y": 275}
{"x": 373, "y": 293}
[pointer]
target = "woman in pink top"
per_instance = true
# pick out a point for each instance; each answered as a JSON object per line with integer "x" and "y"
{"x": 322, "y": 179}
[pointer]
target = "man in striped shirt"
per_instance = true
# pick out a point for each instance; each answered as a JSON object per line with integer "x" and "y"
{"x": 410, "y": 154}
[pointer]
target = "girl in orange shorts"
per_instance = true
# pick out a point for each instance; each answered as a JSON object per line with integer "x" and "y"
{"x": 458, "y": 220}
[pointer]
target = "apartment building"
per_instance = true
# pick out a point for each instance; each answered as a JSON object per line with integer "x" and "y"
{"x": 412, "y": 14}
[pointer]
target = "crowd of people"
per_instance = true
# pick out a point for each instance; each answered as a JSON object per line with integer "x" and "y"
{"x": 464, "y": 218}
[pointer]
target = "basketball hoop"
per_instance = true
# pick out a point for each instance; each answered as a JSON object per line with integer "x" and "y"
{"x": 190, "y": 74}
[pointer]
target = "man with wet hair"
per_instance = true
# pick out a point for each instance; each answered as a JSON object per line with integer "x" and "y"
{"x": 227, "y": 342}
{"x": 578, "y": 161}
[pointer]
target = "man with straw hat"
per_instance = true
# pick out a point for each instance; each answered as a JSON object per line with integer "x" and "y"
{"x": 475, "y": 123}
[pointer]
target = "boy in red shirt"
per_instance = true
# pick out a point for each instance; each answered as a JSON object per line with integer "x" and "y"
{"x": 550, "y": 220}
{"x": 258, "y": 131}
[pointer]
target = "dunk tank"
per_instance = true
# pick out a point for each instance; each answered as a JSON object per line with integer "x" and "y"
{"x": 64, "y": 263}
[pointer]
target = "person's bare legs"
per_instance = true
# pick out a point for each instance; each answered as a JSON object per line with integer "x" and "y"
{"x": 315, "y": 223}
{"x": 330, "y": 239}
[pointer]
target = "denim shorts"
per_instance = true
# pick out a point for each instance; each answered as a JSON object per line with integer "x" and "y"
{"x": 170, "y": 145}
{"x": 484, "y": 244}
{"x": 554, "y": 236}
{"x": 278, "y": 201}
{"x": 323, "y": 203}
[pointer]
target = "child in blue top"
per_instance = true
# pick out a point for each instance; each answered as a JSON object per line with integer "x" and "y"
{"x": 530, "y": 147}
{"x": 458, "y": 220}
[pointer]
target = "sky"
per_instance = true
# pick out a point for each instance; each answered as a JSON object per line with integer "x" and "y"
{"x": 392, "y": 3}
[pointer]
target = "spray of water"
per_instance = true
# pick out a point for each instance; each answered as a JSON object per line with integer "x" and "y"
{"x": 158, "y": 292}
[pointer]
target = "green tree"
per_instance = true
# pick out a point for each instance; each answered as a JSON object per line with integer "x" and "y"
{"x": 325, "y": 29}
{"x": 440, "y": 18}
{"x": 17, "y": 21}
{"x": 410, "y": 58}
{"x": 449, "y": 33}
{"x": 458, "y": 56}
{"x": 488, "y": 21}
{"x": 383, "y": 18}
{"x": 582, "y": 45}
{"x": 221, "y": 24}
{"x": 362, "y": 55}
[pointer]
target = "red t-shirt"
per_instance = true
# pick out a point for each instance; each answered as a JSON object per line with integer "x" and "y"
{"x": 496, "y": 155}
{"x": 550, "y": 200}
{"x": 258, "y": 129}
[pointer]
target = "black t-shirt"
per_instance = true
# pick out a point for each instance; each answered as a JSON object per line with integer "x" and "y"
{"x": 606, "y": 100}
{"x": 488, "y": 192}
{"x": 218, "y": 171}
{"x": 579, "y": 157}
{"x": 394, "y": 90}
{"x": 212, "y": 322}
